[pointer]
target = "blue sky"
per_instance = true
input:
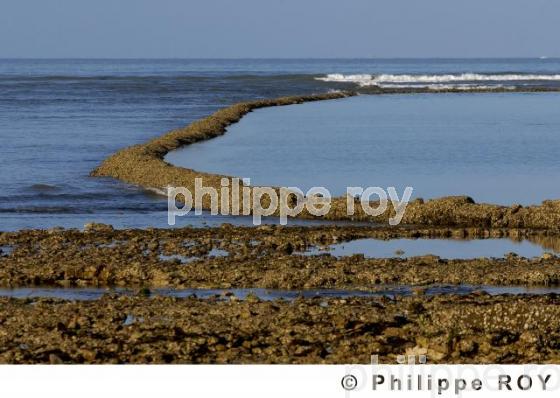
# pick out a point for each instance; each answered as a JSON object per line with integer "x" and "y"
{"x": 279, "y": 28}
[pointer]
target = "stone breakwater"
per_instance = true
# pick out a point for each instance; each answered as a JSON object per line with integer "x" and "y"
{"x": 144, "y": 165}
{"x": 448, "y": 329}
{"x": 263, "y": 257}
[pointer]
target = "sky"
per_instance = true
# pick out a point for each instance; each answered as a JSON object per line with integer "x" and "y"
{"x": 278, "y": 28}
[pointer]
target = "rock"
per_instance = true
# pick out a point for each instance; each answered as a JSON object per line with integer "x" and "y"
{"x": 144, "y": 291}
{"x": 286, "y": 248}
{"x": 55, "y": 359}
{"x": 90, "y": 272}
{"x": 416, "y": 307}
{"x": 96, "y": 227}
{"x": 427, "y": 258}
{"x": 265, "y": 228}
{"x": 416, "y": 351}
{"x": 88, "y": 355}
{"x": 419, "y": 290}
{"x": 252, "y": 298}
{"x": 529, "y": 337}
{"x": 435, "y": 355}
{"x": 456, "y": 200}
{"x": 515, "y": 208}
{"x": 467, "y": 347}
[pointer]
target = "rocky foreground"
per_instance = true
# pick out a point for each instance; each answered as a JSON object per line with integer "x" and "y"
{"x": 265, "y": 257}
{"x": 476, "y": 328}
{"x": 449, "y": 329}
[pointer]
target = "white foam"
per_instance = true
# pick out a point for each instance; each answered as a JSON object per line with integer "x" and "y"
{"x": 462, "y": 87}
{"x": 157, "y": 191}
{"x": 364, "y": 80}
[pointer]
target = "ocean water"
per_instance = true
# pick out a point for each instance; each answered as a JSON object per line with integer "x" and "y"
{"x": 60, "y": 118}
{"x": 495, "y": 147}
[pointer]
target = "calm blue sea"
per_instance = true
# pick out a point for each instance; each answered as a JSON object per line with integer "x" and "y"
{"x": 60, "y": 118}
{"x": 495, "y": 147}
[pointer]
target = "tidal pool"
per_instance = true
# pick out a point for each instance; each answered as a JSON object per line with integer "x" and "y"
{"x": 189, "y": 259}
{"x": 444, "y": 248}
{"x": 495, "y": 147}
{"x": 6, "y": 250}
{"x": 88, "y": 294}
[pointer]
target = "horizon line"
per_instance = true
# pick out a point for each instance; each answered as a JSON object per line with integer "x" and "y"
{"x": 544, "y": 58}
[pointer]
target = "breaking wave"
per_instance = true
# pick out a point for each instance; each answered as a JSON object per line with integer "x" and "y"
{"x": 463, "y": 81}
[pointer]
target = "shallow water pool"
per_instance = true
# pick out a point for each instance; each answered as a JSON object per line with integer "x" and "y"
{"x": 444, "y": 248}
{"x": 88, "y": 294}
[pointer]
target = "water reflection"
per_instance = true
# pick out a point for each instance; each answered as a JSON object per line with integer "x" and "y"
{"x": 88, "y": 294}
{"x": 444, "y": 248}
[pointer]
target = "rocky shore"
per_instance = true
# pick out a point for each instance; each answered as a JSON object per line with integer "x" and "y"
{"x": 265, "y": 257}
{"x": 144, "y": 328}
{"x": 448, "y": 329}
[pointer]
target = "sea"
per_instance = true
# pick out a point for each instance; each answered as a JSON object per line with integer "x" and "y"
{"x": 60, "y": 118}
